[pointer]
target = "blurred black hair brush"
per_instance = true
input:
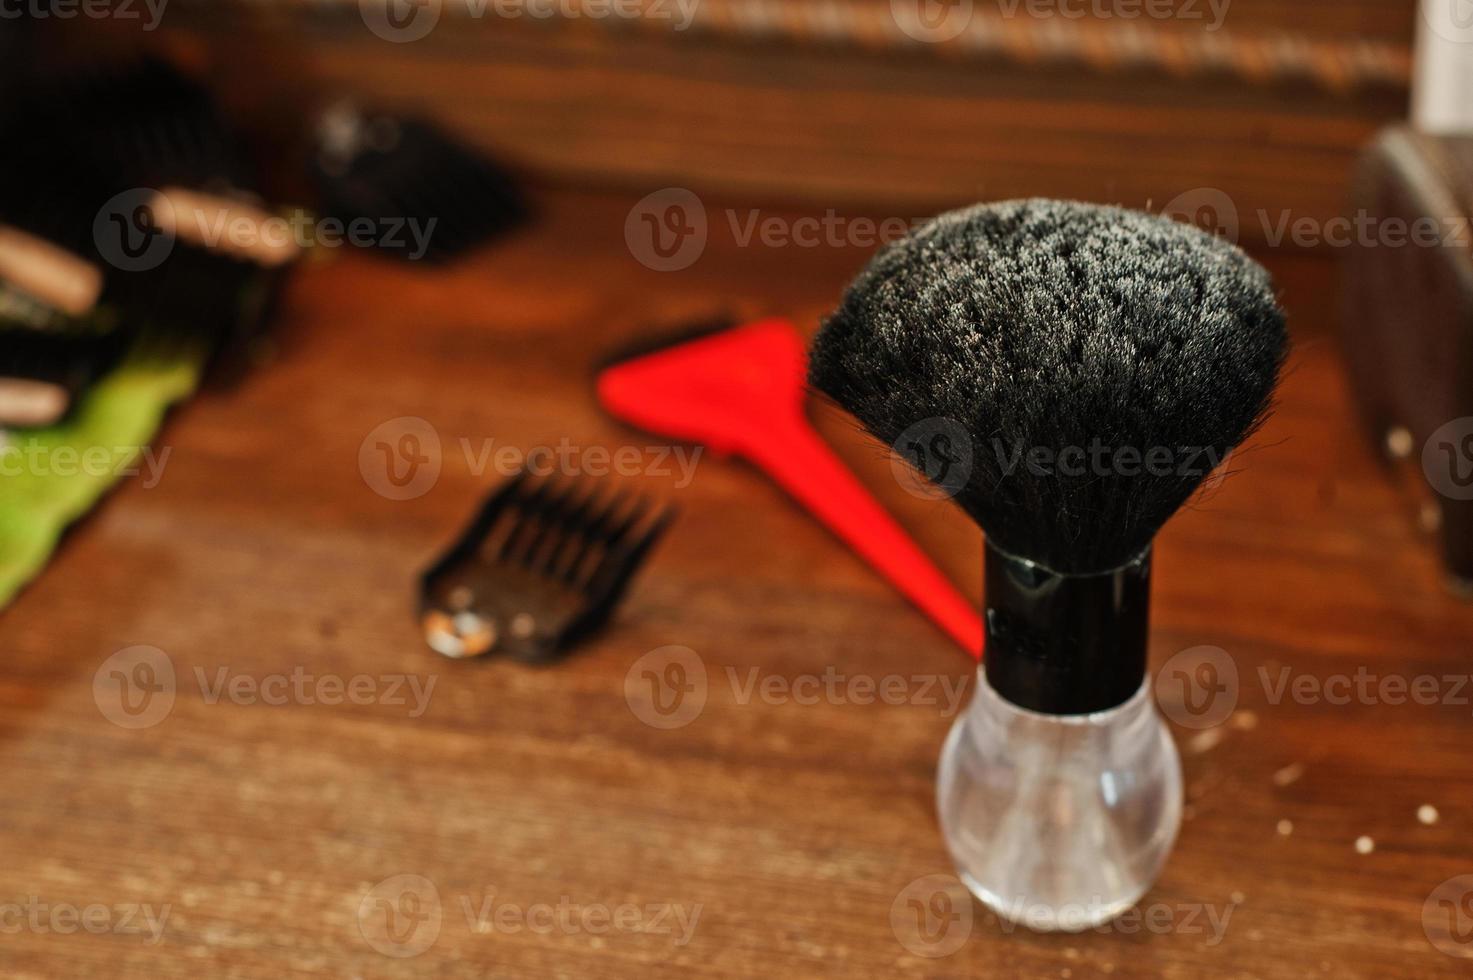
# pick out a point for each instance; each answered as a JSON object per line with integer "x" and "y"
{"x": 146, "y": 123}
{"x": 131, "y": 167}
{"x": 402, "y": 173}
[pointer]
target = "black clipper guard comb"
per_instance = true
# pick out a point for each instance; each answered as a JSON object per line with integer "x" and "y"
{"x": 542, "y": 565}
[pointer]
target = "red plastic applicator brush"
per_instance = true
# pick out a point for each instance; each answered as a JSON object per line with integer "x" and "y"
{"x": 741, "y": 391}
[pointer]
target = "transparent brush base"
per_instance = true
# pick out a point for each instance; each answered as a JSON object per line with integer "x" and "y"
{"x": 1059, "y": 822}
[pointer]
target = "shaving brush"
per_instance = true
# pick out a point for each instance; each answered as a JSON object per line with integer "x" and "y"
{"x": 1103, "y": 362}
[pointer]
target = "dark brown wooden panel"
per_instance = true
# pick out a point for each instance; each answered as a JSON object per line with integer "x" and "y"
{"x": 909, "y": 130}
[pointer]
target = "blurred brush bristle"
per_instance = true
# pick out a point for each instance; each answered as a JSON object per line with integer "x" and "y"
{"x": 394, "y": 171}
{"x": 77, "y": 139}
{"x": 154, "y": 126}
{"x": 1055, "y": 324}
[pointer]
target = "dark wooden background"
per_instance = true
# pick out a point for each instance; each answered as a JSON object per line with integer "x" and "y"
{"x": 755, "y": 103}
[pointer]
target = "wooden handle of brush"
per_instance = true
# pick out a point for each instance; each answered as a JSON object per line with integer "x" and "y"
{"x": 225, "y": 225}
{"x": 803, "y": 464}
{"x": 48, "y": 272}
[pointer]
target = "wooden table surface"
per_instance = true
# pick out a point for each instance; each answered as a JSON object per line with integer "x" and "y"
{"x": 547, "y": 829}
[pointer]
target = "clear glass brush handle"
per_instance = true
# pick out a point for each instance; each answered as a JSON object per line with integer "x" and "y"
{"x": 1059, "y": 822}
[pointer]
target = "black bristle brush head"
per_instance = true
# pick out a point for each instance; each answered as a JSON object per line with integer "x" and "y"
{"x": 404, "y": 173}
{"x": 1069, "y": 340}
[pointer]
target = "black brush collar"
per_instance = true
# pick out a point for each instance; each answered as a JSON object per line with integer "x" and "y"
{"x": 1065, "y": 644}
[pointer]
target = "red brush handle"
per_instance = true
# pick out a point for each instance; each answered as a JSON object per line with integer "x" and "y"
{"x": 802, "y": 463}
{"x": 741, "y": 391}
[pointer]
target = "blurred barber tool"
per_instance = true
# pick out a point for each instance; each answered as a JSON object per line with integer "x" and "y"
{"x": 133, "y": 255}
{"x": 150, "y": 125}
{"x": 1408, "y": 315}
{"x": 127, "y": 202}
{"x": 44, "y": 372}
{"x": 403, "y": 173}
{"x": 740, "y": 390}
{"x": 543, "y": 565}
{"x": 50, "y": 350}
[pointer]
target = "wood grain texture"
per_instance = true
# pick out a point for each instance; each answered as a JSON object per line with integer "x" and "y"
{"x": 794, "y": 827}
{"x": 831, "y": 126}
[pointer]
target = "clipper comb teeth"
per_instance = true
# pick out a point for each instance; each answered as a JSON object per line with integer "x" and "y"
{"x": 543, "y": 564}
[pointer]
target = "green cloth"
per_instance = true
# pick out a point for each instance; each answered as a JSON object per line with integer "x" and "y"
{"x": 50, "y": 477}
